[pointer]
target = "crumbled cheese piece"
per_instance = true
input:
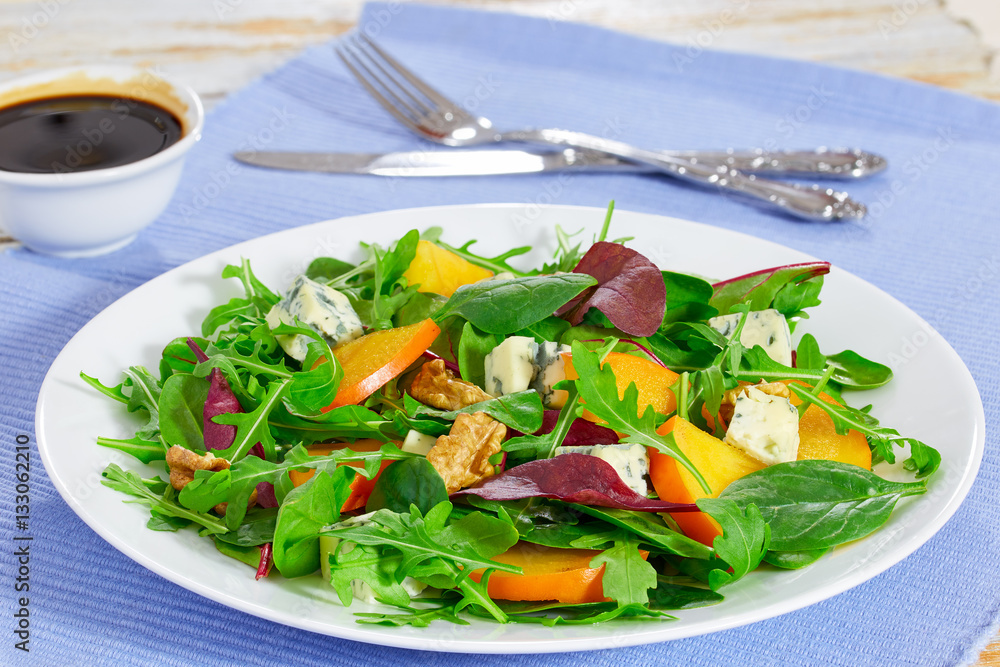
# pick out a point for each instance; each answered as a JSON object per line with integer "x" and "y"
{"x": 318, "y": 306}
{"x": 767, "y": 328}
{"x": 765, "y": 427}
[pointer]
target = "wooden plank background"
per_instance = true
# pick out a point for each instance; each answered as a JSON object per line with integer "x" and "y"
{"x": 218, "y": 46}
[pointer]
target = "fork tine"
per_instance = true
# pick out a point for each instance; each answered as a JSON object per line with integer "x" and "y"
{"x": 389, "y": 106}
{"x": 398, "y": 89}
{"x": 432, "y": 94}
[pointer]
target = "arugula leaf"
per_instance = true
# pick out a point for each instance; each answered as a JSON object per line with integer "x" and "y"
{"x": 627, "y": 575}
{"x": 744, "y": 540}
{"x": 544, "y": 446}
{"x": 496, "y": 264}
{"x": 417, "y": 618}
{"x": 416, "y": 536}
{"x": 650, "y": 529}
{"x": 256, "y": 529}
{"x": 304, "y": 512}
{"x": 143, "y": 394}
{"x": 850, "y": 368}
{"x": 924, "y": 460}
{"x": 521, "y": 410}
{"x": 759, "y": 289}
{"x": 311, "y": 391}
{"x": 387, "y": 294}
{"x": 426, "y": 544}
{"x": 146, "y": 451}
{"x": 256, "y": 292}
{"x": 584, "y": 614}
{"x": 236, "y": 484}
{"x": 129, "y": 483}
{"x": 252, "y": 427}
{"x": 368, "y": 564}
{"x": 599, "y": 390}
{"x": 506, "y": 306}
{"x": 347, "y": 422}
{"x": 792, "y": 299}
{"x": 856, "y": 372}
{"x": 817, "y": 504}
{"x": 237, "y": 308}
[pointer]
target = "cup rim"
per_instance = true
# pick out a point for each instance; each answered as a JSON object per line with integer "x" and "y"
{"x": 121, "y": 172}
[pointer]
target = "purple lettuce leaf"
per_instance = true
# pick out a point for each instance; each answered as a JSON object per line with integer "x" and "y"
{"x": 629, "y": 290}
{"x": 572, "y": 478}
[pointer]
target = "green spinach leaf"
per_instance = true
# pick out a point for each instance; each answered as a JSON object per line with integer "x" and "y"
{"x": 408, "y": 482}
{"x": 817, "y": 504}
{"x": 306, "y": 510}
{"x": 506, "y": 306}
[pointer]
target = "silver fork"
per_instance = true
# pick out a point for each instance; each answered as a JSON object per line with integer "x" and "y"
{"x": 433, "y": 116}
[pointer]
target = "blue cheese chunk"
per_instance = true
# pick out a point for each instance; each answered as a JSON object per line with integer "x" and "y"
{"x": 549, "y": 369}
{"x": 630, "y": 461}
{"x": 765, "y": 427}
{"x": 519, "y": 363}
{"x": 416, "y": 442}
{"x": 509, "y": 367}
{"x": 767, "y": 328}
{"x": 319, "y": 307}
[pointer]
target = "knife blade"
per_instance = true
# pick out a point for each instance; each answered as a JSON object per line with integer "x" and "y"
{"x": 438, "y": 163}
{"x": 829, "y": 163}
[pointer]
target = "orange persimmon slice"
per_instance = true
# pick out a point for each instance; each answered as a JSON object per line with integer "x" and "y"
{"x": 652, "y": 380}
{"x": 374, "y": 359}
{"x": 441, "y": 271}
{"x": 361, "y": 487}
{"x": 563, "y": 575}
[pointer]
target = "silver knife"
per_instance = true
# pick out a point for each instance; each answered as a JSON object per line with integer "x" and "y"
{"x": 839, "y": 163}
{"x": 437, "y": 163}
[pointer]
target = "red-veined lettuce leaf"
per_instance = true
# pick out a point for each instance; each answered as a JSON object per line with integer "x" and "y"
{"x": 629, "y": 290}
{"x": 572, "y": 478}
{"x": 760, "y": 287}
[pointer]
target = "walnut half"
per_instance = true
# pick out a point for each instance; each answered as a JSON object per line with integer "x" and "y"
{"x": 183, "y": 463}
{"x": 438, "y": 387}
{"x": 462, "y": 457}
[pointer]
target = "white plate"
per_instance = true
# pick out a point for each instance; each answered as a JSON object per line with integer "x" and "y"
{"x": 854, "y": 315}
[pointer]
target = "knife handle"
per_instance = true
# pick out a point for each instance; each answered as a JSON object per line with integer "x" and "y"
{"x": 825, "y": 162}
{"x": 810, "y": 203}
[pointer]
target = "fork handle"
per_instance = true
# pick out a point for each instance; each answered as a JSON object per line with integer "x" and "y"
{"x": 809, "y": 202}
{"x": 824, "y": 162}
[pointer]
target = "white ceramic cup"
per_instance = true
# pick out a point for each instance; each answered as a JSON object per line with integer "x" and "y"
{"x": 88, "y": 213}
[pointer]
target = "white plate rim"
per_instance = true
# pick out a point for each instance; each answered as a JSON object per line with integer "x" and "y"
{"x": 396, "y": 637}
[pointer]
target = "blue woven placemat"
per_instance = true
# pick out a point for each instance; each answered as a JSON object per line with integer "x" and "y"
{"x": 931, "y": 240}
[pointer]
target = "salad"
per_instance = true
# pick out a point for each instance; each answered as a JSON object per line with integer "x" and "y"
{"x": 455, "y": 436}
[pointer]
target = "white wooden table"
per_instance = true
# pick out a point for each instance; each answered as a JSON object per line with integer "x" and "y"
{"x": 220, "y": 46}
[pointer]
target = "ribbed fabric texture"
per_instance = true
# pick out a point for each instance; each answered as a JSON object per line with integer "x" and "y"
{"x": 932, "y": 241}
